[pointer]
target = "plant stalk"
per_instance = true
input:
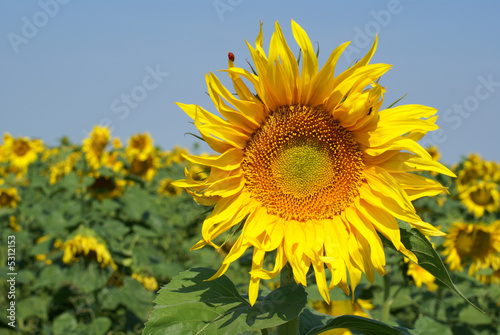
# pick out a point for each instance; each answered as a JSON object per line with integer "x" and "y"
{"x": 437, "y": 304}
{"x": 387, "y": 299}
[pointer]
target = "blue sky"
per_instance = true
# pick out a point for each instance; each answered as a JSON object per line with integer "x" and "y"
{"x": 68, "y": 65}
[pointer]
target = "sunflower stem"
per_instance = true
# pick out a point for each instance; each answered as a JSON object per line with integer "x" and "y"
{"x": 437, "y": 304}
{"x": 387, "y": 299}
{"x": 292, "y": 326}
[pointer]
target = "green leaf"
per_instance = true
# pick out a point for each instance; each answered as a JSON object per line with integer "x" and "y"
{"x": 428, "y": 326}
{"x": 135, "y": 203}
{"x": 473, "y": 317}
{"x": 134, "y": 296}
{"x": 191, "y": 305}
{"x": 313, "y": 323}
{"x": 33, "y": 306}
{"x": 86, "y": 277}
{"x": 48, "y": 277}
{"x": 99, "y": 326}
{"x": 427, "y": 256}
{"x": 65, "y": 324}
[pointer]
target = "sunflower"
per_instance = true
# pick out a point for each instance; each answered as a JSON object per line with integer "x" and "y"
{"x": 95, "y": 145}
{"x": 139, "y": 147}
{"x": 469, "y": 173}
{"x": 492, "y": 171}
{"x": 311, "y": 155}
{"x": 481, "y": 196}
{"x": 166, "y": 188}
{"x": 145, "y": 169}
{"x": 474, "y": 170}
{"x": 142, "y": 156}
{"x": 9, "y": 197}
{"x": 474, "y": 244}
{"x": 21, "y": 151}
{"x": 87, "y": 246}
{"x": 106, "y": 187}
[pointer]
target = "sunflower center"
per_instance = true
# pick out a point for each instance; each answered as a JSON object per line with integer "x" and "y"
{"x": 102, "y": 185}
{"x": 20, "y": 147}
{"x": 482, "y": 196}
{"x": 473, "y": 244}
{"x": 4, "y": 199}
{"x": 301, "y": 164}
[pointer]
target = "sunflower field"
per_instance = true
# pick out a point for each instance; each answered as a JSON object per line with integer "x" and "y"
{"x": 315, "y": 184}
{"x": 99, "y": 228}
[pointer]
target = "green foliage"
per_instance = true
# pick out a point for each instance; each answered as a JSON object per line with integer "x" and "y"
{"x": 190, "y": 304}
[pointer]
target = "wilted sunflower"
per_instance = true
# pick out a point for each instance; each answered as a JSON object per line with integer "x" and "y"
{"x": 95, "y": 145}
{"x": 312, "y": 163}
{"x": 480, "y": 197}
{"x": 21, "y": 151}
{"x": 477, "y": 245}
{"x": 87, "y": 246}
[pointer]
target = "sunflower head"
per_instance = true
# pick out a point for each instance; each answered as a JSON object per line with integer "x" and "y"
{"x": 139, "y": 147}
{"x": 474, "y": 169}
{"x": 9, "y": 197}
{"x": 95, "y": 145}
{"x": 106, "y": 187}
{"x": 476, "y": 245}
{"x": 145, "y": 169}
{"x": 312, "y": 163}
{"x": 87, "y": 246}
{"x": 480, "y": 197}
{"x": 21, "y": 151}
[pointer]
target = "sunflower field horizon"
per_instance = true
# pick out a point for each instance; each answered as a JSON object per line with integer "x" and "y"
{"x": 320, "y": 210}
